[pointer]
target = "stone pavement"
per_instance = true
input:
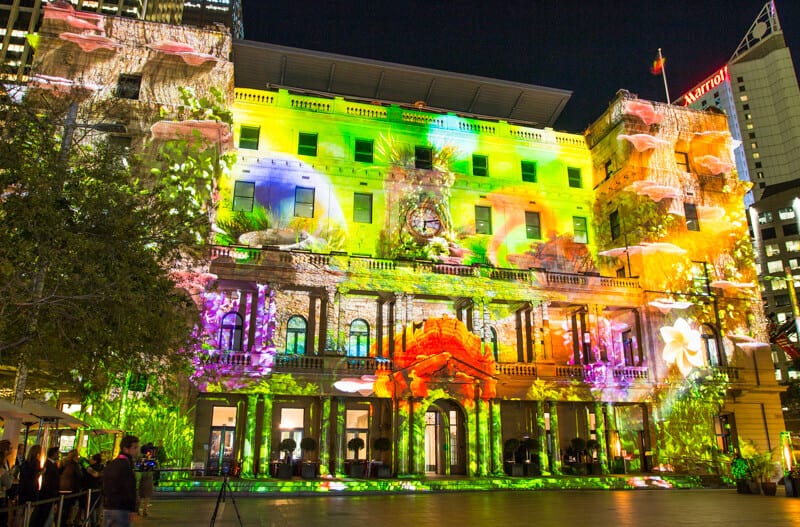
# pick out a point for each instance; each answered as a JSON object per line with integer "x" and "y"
{"x": 653, "y": 508}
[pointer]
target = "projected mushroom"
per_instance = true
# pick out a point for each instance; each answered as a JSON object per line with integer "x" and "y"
{"x": 642, "y": 142}
{"x": 644, "y": 111}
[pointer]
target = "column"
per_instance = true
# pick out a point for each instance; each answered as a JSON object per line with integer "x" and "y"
{"x": 520, "y": 342}
{"x": 612, "y": 439}
{"x": 417, "y": 454}
{"x": 647, "y": 449}
{"x": 497, "y": 438}
{"x": 341, "y": 337}
{"x": 600, "y": 433}
{"x": 391, "y": 326}
{"x": 402, "y": 435}
{"x": 325, "y": 437}
{"x": 325, "y": 308}
{"x": 265, "y": 449}
{"x": 538, "y": 342}
{"x": 555, "y": 438}
{"x": 639, "y": 342}
{"x": 311, "y": 330}
{"x": 541, "y": 435}
{"x": 477, "y": 317}
{"x": 528, "y": 335}
{"x": 248, "y": 450}
{"x": 379, "y": 326}
{"x": 548, "y": 345}
{"x": 341, "y": 435}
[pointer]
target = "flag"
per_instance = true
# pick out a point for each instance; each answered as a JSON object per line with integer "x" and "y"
{"x": 783, "y": 342}
{"x": 658, "y": 65}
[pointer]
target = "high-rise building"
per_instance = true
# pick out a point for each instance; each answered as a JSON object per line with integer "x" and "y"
{"x": 21, "y": 18}
{"x": 758, "y": 91}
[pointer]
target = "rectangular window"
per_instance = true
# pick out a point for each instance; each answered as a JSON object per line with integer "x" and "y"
{"x": 128, "y": 86}
{"x": 778, "y": 284}
{"x": 480, "y": 165}
{"x": 692, "y": 223}
{"x": 357, "y": 425}
{"x": 362, "y": 208}
{"x": 794, "y": 263}
{"x": 782, "y": 300}
{"x": 307, "y": 144}
{"x": 423, "y": 157}
{"x": 768, "y": 233}
{"x": 609, "y": 167}
{"x": 533, "y": 229}
{"x": 764, "y": 217}
{"x": 771, "y": 249}
{"x": 483, "y": 220}
{"x": 774, "y": 266}
{"x": 291, "y": 427}
{"x": 579, "y": 230}
{"x": 682, "y": 161}
{"x": 793, "y": 246}
{"x": 528, "y": 169}
{"x": 574, "y": 177}
{"x": 364, "y": 150}
{"x": 248, "y": 137}
{"x": 790, "y": 229}
{"x": 304, "y": 202}
{"x": 786, "y": 213}
{"x": 613, "y": 219}
{"x": 243, "y": 195}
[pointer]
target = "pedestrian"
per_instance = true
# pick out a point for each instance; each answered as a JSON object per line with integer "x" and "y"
{"x": 147, "y": 468}
{"x": 6, "y": 481}
{"x": 71, "y": 482}
{"x": 119, "y": 485}
{"x": 93, "y": 482}
{"x": 29, "y": 477}
{"x": 44, "y": 513}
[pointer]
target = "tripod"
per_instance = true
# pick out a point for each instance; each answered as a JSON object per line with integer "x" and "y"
{"x": 225, "y": 490}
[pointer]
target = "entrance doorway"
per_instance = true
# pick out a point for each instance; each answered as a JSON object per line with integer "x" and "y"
{"x": 220, "y": 444}
{"x": 445, "y": 439}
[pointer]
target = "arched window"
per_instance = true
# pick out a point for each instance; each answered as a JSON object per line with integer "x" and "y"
{"x": 230, "y": 333}
{"x": 712, "y": 351}
{"x": 358, "y": 346}
{"x": 296, "y": 335}
{"x": 493, "y": 340}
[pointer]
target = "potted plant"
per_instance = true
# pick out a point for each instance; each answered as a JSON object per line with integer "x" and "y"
{"x": 531, "y": 464}
{"x": 383, "y": 444}
{"x": 287, "y": 446}
{"x": 510, "y": 448}
{"x": 791, "y": 481}
{"x": 762, "y": 467}
{"x": 308, "y": 469}
{"x": 356, "y": 469}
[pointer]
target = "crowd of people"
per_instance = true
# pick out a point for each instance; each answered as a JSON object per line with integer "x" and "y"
{"x": 123, "y": 493}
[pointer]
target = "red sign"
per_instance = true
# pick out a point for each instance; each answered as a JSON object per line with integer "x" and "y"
{"x": 701, "y": 89}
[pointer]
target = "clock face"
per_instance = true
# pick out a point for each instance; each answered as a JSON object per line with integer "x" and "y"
{"x": 423, "y": 221}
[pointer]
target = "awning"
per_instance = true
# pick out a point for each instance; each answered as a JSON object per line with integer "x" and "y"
{"x": 8, "y": 410}
{"x": 44, "y": 411}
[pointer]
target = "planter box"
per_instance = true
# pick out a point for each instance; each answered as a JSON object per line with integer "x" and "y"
{"x": 284, "y": 471}
{"x": 531, "y": 469}
{"x": 514, "y": 469}
{"x": 383, "y": 471}
{"x": 792, "y": 486}
{"x": 769, "y": 488}
{"x": 357, "y": 469}
{"x": 309, "y": 470}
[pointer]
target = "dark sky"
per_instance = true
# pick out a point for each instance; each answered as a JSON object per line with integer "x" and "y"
{"x": 591, "y": 47}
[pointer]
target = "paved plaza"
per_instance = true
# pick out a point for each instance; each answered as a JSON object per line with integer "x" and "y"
{"x": 653, "y": 508}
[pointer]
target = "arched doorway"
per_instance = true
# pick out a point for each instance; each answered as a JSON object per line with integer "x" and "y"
{"x": 445, "y": 439}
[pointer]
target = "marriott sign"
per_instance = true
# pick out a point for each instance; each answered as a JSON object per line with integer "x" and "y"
{"x": 709, "y": 84}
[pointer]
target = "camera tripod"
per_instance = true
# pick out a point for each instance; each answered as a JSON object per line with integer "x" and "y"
{"x": 225, "y": 490}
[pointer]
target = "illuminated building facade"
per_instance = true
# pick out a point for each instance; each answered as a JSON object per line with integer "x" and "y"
{"x": 19, "y": 18}
{"x": 467, "y": 289}
{"x": 758, "y": 91}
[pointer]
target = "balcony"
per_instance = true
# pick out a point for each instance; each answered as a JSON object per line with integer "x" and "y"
{"x": 360, "y": 265}
{"x": 330, "y": 364}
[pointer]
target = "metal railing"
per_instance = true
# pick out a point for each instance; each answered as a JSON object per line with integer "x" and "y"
{"x": 21, "y": 515}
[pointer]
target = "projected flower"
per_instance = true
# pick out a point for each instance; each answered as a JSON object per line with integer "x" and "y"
{"x": 683, "y": 346}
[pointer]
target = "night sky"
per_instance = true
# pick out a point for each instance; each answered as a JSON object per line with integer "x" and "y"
{"x": 591, "y": 47}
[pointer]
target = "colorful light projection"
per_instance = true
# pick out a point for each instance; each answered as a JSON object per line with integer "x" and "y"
{"x": 683, "y": 346}
{"x": 389, "y": 207}
{"x": 440, "y": 354}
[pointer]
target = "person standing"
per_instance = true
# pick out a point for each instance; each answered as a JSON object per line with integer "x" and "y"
{"x": 93, "y": 482}
{"x": 147, "y": 468}
{"x": 43, "y": 515}
{"x": 119, "y": 485}
{"x": 71, "y": 482}
{"x": 29, "y": 478}
{"x": 5, "y": 479}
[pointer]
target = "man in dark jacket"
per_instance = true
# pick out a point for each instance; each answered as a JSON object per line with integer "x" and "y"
{"x": 43, "y": 514}
{"x": 119, "y": 485}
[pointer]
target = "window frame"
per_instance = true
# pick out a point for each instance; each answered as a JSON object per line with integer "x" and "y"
{"x": 361, "y": 336}
{"x": 297, "y": 332}
{"x": 304, "y": 147}
{"x": 360, "y": 155}
{"x": 530, "y": 175}
{"x": 238, "y": 196}
{"x": 247, "y": 143}
{"x": 479, "y": 221}
{"x": 125, "y": 89}
{"x": 425, "y": 161}
{"x": 297, "y": 193}
{"x": 576, "y": 220}
{"x": 533, "y": 229}
{"x": 692, "y": 221}
{"x": 233, "y": 334}
{"x": 357, "y": 208}
{"x": 574, "y": 177}
{"x": 615, "y": 224}
{"x": 682, "y": 160}
{"x": 477, "y": 169}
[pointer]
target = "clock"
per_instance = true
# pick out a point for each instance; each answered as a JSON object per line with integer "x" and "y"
{"x": 423, "y": 221}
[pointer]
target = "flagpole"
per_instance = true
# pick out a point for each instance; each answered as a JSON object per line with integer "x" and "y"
{"x": 664, "y": 75}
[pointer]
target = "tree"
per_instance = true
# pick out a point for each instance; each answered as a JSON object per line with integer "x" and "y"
{"x": 87, "y": 239}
